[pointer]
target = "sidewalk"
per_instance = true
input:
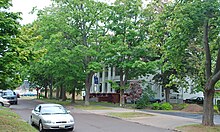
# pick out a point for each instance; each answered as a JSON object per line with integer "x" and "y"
{"x": 158, "y": 120}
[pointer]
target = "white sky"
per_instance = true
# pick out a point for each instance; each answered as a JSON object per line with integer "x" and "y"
{"x": 25, "y": 6}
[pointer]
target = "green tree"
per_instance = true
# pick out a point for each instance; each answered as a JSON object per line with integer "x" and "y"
{"x": 125, "y": 46}
{"x": 83, "y": 18}
{"x": 15, "y": 49}
{"x": 70, "y": 31}
{"x": 194, "y": 24}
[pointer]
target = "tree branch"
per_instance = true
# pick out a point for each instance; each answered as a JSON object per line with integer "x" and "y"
{"x": 215, "y": 78}
{"x": 207, "y": 50}
{"x": 217, "y": 65}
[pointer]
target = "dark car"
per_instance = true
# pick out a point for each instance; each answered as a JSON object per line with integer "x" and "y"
{"x": 195, "y": 100}
{"x": 155, "y": 100}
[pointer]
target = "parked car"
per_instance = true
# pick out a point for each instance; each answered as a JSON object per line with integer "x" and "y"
{"x": 4, "y": 102}
{"x": 195, "y": 100}
{"x": 52, "y": 116}
{"x": 10, "y": 95}
{"x": 155, "y": 100}
{"x": 29, "y": 94}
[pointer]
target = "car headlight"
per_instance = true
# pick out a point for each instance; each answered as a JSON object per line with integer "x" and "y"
{"x": 48, "y": 121}
{"x": 71, "y": 120}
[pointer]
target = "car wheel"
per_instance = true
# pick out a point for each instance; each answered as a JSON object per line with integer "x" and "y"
{"x": 32, "y": 123}
{"x": 71, "y": 130}
{"x": 1, "y": 104}
{"x": 41, "y": 128}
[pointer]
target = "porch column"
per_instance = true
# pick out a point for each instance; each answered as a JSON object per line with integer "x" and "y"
{"x": 103, "y": 80}
{"x": 113, "y": 77}
{"x": 92, "y": 86}
{"x": 109, "y": 78}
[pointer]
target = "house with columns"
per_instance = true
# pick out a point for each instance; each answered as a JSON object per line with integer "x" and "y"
{"x": 101, "y": 88}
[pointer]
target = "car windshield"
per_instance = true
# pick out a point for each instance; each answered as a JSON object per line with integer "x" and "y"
{"x": 9, "y": 93}
{"x": 53, "y": 110}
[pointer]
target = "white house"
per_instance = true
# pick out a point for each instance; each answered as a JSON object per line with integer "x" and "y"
{"x": 103, "y": 87}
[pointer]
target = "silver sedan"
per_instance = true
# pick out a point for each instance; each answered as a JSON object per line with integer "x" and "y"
{"x": 4, "y": 102}
{"x": 52, "y": 116}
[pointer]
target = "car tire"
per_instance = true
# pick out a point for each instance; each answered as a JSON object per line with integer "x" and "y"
{"x": 71, "y": 130}
{"x": 1, "y": 104}
{"x": 41, "y": 128}
{"x": 31, "y": 122}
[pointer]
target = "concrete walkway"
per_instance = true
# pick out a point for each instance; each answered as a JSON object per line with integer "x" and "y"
{"x": 157, "y": 120}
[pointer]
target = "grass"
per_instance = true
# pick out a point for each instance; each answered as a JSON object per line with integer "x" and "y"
{"x": 66, "y": 103}
{"x": 11, "y": 122}
{"x": 92, "y": 107}
{"x": 128, "y": 114}
{"x": 199, "y": 128}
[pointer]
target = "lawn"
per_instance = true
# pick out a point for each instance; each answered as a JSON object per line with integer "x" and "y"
{"x": 199, "y": 128}
{"x": 92, "y": 107}
{"x": 11, "y": 122}
{"x": 128, "y": 114}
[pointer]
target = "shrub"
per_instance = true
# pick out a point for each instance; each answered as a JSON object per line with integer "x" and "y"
{"x": 141, "y": 103}
{"x": 144, "y": 100}
{"x": 216, "y": 109}
{"x": 156, "y": 106}
{"x": 166, "y": 106}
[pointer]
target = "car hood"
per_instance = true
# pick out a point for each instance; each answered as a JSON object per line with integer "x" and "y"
{"x": 57, "y": 117}
{"x": 3, "y": 100}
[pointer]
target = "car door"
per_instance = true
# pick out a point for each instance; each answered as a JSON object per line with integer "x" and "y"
{"x": 35, "y": 114}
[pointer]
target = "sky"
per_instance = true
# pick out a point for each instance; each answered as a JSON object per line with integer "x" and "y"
{"x": 26, "y": 6}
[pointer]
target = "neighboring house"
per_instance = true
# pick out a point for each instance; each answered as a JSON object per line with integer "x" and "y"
{"x": 101, "y": 88}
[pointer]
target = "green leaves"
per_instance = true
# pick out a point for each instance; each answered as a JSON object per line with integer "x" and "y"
{"x": 9, "y": 63}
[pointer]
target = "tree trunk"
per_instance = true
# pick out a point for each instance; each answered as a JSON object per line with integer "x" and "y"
{"x": 57, "y": 93}
{"x": 167, "y": 94}
{"x": 208, "y": 112}
{"x": 51, "y": 88}
{"x": 64, "y": 94}
{"x": 45, "y": 86}
{"x": 61, "y": 91}
{"x": 73, "y": 96}
{"x": 122, "y": 86}
{"x": 73, "y": 91}
{"x": 88, "y": 85}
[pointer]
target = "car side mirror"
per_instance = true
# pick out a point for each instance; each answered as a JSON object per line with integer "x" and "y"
{"x": 36, "y": 112}
{"x": 68, "y": 111}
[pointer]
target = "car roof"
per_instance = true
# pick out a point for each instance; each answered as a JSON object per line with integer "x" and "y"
{"x": 8, "y": 90}
{"x": 47, "y": 105}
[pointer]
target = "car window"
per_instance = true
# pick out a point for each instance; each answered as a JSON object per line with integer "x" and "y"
{"x": 37, "y": 109}
{"x": 53, "y": 110}
{"x": 8, "y": 93}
